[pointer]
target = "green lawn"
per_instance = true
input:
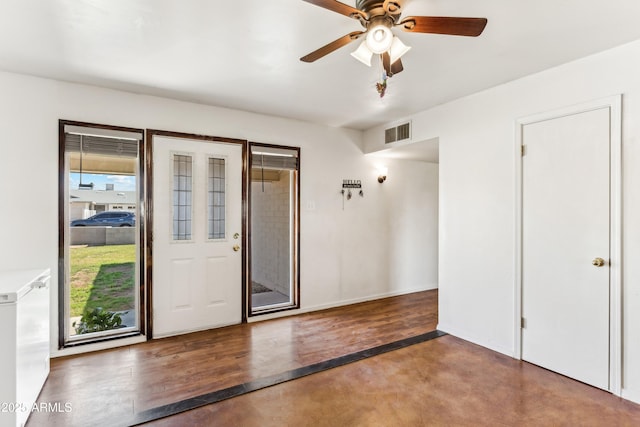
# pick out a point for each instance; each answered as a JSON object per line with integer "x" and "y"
{"x": 102, "y": 276}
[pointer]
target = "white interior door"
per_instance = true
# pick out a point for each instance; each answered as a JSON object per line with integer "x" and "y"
{"x": 197, "y": 222}
{"x": 565, "y": 226}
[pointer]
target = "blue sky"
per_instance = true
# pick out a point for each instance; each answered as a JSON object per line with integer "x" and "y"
{"x": 120, "y": 182}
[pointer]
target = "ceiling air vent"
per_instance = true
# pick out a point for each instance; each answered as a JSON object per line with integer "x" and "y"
{"x": 397, "y": 133}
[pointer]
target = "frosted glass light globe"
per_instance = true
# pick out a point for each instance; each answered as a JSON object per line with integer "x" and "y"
{"x": 379, "y": 39}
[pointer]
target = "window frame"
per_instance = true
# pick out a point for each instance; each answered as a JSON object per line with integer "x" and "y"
{"x": 63, "y": 202}
{"x": 295, "y": 235}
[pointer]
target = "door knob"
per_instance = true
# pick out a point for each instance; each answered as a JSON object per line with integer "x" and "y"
{"x": 236, "y": 248}
{"x": 598, "y": 262}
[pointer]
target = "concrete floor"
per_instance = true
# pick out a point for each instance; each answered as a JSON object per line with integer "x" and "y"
{"x": 443, "y": 382}
{"x": 268, "y": 298}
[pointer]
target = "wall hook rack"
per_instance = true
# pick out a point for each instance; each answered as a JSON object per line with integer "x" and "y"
{"x": 347, "y": 186}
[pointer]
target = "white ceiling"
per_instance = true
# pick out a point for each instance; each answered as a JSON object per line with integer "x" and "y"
{"x": 245, "y": 54}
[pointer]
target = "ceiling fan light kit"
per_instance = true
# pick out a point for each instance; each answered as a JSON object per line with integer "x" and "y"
{"x": 397, "y": 49}
{"x": 379, "y": 38}
{"x": 378, "y": 17}
{"x": 363, "y": 54}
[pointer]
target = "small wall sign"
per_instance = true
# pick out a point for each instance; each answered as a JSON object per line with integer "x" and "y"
{"x": 351, "y": 183}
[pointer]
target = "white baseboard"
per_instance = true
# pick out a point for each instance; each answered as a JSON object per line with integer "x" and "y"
{"x": 632, "y": 395}
{"x": 138, "y": 339}
{"x": 339, "y": 303}
{"x": 475, "y": 340}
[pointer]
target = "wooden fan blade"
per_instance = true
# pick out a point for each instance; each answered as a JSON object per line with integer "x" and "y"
{"x": 391, "y": 69}
{"x": 396, "y": 67}
{"x": 444, "y": 25}
{"x": 341, "y": 8}
{"x": 334, "y": 45}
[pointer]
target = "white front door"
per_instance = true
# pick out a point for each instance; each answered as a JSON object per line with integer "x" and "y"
{"x": 197, "y": 225}
{"x": 565, "y": 227}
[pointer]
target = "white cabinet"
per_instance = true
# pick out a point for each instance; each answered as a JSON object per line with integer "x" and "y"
{"x": 25, "y": 346}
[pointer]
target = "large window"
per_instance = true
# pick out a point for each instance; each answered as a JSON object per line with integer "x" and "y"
{"x": 100, "y": 229}
{"x": 274, "y": 224}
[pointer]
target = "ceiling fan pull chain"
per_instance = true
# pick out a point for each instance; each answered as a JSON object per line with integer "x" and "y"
{"x": 381, "y": 86}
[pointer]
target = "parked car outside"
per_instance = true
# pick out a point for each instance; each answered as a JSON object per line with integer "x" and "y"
{"x": 107, "y": 219}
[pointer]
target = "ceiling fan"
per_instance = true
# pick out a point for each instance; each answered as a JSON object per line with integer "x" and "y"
{"x": 378, "y": 17}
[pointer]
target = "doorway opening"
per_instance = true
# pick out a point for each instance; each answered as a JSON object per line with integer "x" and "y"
{"x": 99, "y": 216}
{"x": 274, "y": 207}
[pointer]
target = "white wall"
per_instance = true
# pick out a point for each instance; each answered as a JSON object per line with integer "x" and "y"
{"x": 477, "y": 202}
{"x": 344, "y": 253}
{"x": 411, "y": 191}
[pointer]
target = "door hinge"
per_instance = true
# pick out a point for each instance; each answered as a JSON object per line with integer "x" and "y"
{"x": 522, "y": 150}
{"x": 523, "y": 323}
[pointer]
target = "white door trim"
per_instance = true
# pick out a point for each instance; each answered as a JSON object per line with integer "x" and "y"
{"x": 614, "y": 103}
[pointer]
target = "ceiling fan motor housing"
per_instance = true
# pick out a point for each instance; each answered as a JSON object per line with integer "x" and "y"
{"x": 375, "y": 8}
